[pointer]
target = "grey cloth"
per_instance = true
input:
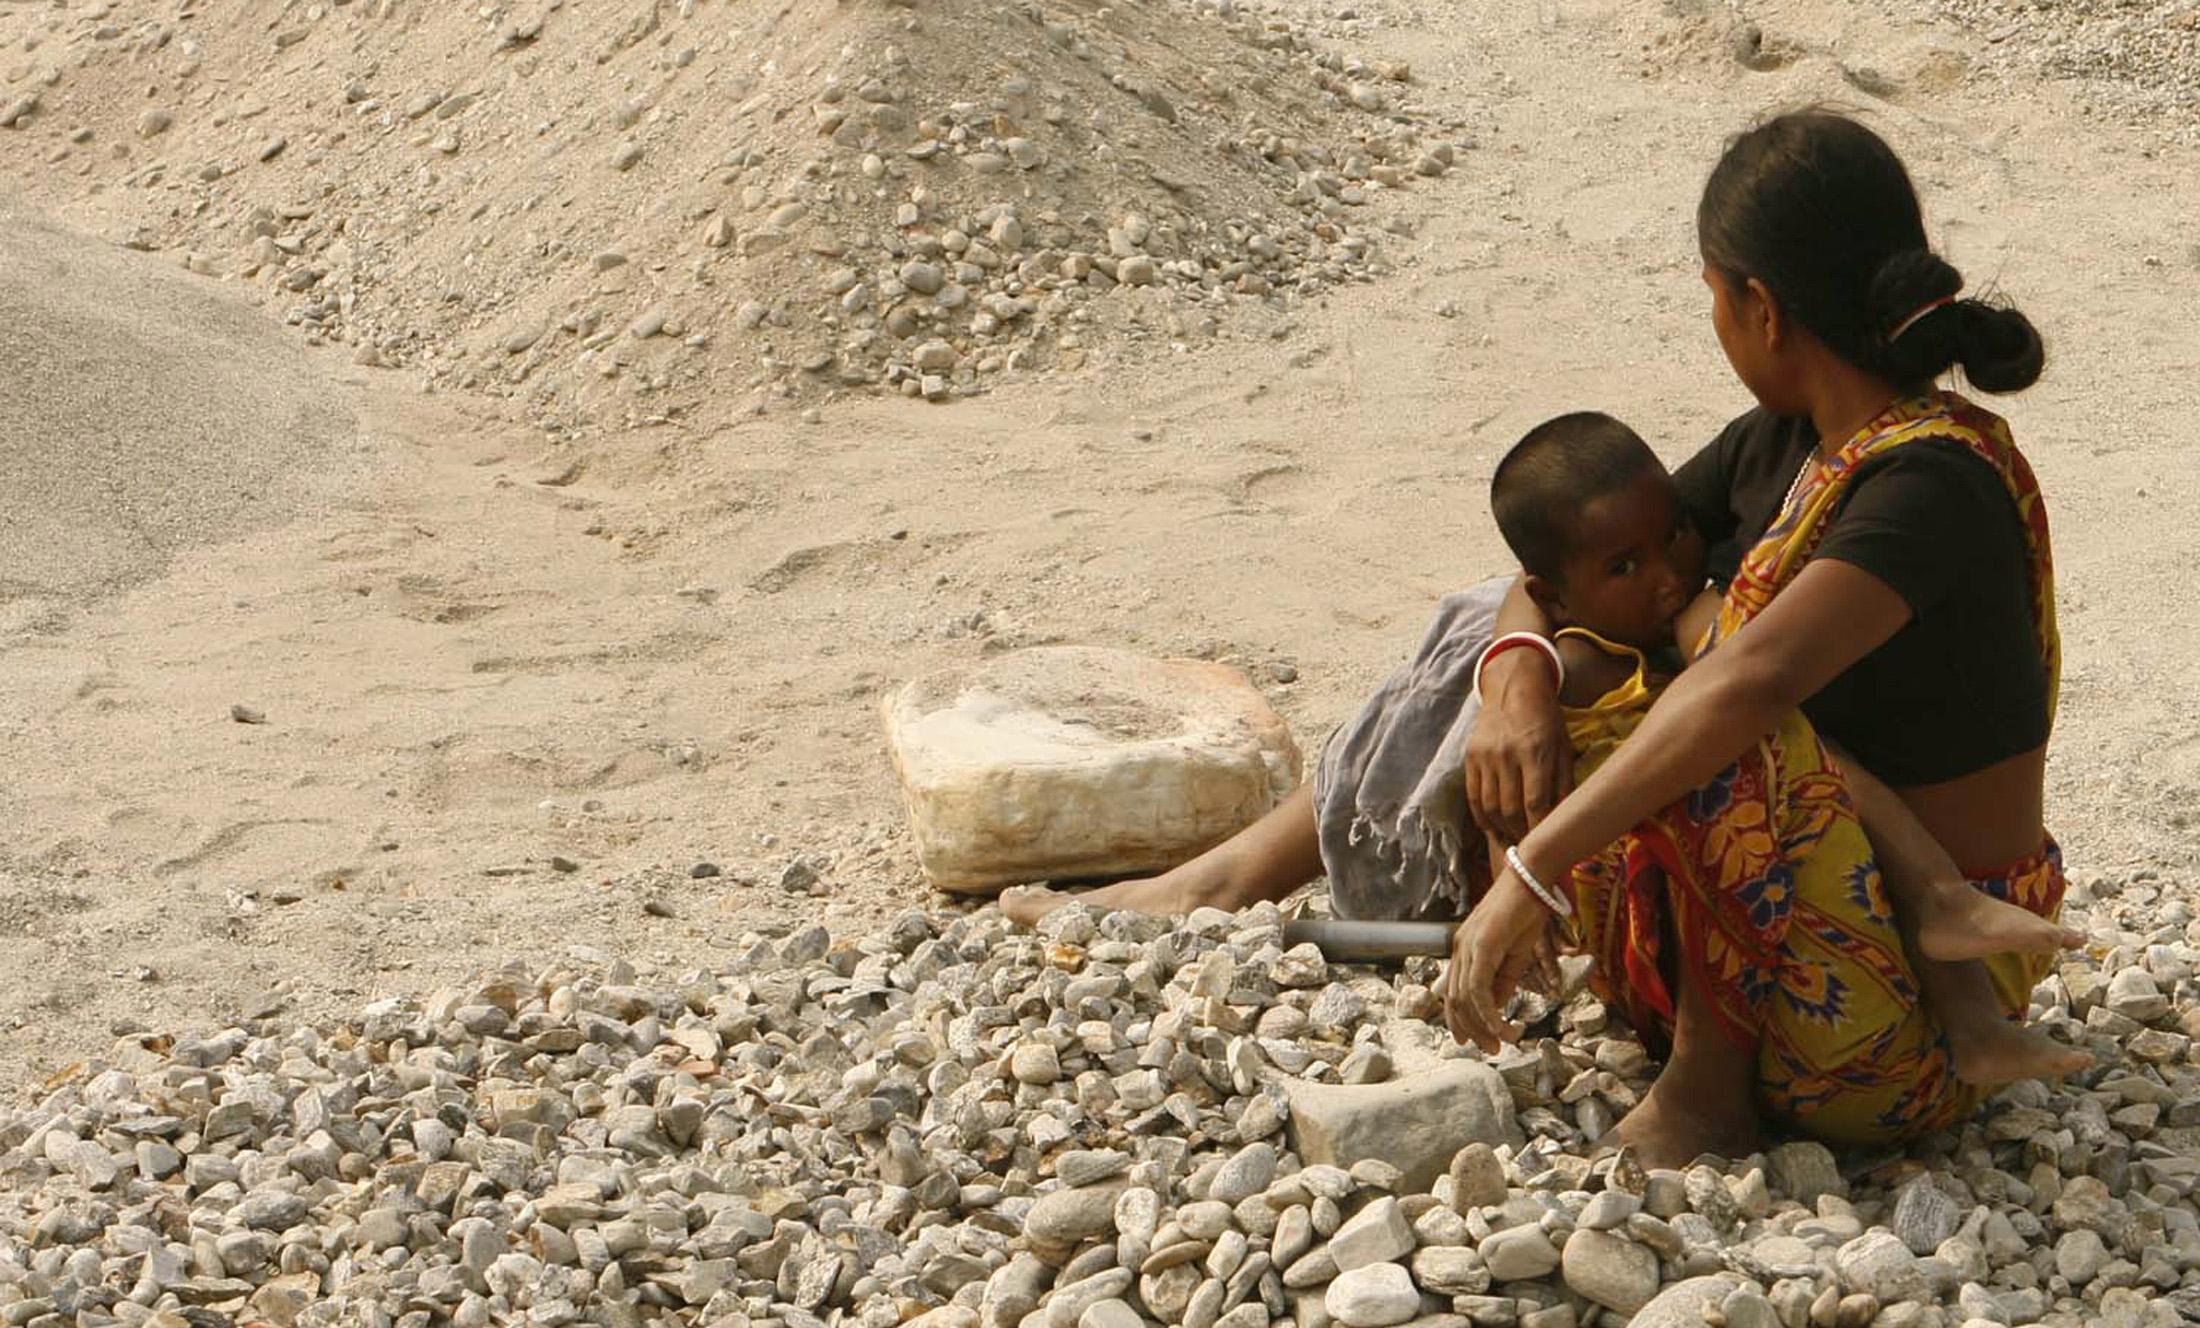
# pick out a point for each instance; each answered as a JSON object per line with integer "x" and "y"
{"x": 1390, "y": 795}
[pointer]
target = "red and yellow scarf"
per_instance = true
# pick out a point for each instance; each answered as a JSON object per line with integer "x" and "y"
{"x": 1795, "y": 533}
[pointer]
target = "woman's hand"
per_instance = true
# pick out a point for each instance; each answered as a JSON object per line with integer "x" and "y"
{"x": 1498, "y": 943}
{"x": 1519, "y": 760}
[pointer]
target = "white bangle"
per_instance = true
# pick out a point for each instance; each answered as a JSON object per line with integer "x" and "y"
{"x": 1542, "y": 643}
{"x": 1551, "y": 898}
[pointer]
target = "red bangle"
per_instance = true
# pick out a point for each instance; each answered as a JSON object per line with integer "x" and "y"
{"x": 1519, "y": 641}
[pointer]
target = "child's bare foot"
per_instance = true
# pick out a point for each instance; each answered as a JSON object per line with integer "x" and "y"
{"x": 1026, "y": 904}
{"x": 1670, "y": 1128}
{"x": 1267, "y": 860}
{"x": 1207, "y": 881}
{"x": 1956, "y": 921}
{"x": 1995, "y": 1052}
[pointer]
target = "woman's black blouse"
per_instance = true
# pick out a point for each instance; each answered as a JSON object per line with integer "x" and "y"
{"x": 1962, "y": 686}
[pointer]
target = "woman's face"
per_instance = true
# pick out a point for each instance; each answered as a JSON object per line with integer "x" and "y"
{"x": 1726, "y": 320}
{"x": 1740, "y": 317}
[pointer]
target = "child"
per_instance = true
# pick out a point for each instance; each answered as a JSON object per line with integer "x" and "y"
{"x": 1599, "y": 530}
{"x": 1606, "y": 549}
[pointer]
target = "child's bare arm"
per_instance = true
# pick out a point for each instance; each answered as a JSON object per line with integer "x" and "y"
{"x": 1695, "y": 620}
{"x": 1590, "y": 672}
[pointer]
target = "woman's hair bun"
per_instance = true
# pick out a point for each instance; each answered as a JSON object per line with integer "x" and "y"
{"x": 1998, "y": 348}
{"x": 1907, "y": 282}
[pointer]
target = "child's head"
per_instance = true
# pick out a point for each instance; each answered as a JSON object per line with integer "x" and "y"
{"x": 1597, "y": 524}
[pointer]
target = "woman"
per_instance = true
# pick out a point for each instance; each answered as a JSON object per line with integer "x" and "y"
{"x": 1891, "y": 586}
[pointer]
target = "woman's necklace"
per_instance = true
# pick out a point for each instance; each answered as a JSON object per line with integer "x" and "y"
{"x": 1802, "y": 473}
{"x": 1811, "y": 458}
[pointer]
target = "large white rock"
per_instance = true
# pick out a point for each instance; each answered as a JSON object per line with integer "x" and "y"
{"x": 1075, "y": 762}
{"x": 1417, "y": 1123}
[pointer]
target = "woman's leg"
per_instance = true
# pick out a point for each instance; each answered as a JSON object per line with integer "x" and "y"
{"x": 1266, "y": 860}
{"x": 1704, "y": 1101}
{"x": 1798, "y": 922}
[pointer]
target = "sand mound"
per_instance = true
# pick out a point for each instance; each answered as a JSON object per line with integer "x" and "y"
{"x": 141, "y": 412}
{"x": 631, "y": 210}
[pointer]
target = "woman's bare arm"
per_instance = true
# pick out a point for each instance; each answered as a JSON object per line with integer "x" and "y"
{"x": 1831, "y": 616}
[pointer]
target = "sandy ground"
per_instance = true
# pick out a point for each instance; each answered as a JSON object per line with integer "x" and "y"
{"x": 665, "y": 648}
{"x": 124, "y": 445}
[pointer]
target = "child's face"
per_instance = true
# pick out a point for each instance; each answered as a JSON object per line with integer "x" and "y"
{"x": 1634, "y": 562}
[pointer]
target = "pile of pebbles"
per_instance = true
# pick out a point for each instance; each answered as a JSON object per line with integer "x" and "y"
{"x": 2137, "y": 63}
{"x": 959, "y": 1125}
{"x": 631, "y": 213}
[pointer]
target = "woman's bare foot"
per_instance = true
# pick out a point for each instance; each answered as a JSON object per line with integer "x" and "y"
{"x": 1992, "y": 1052}
{"x": 1672, "y": 1127}
{"x": 1956, "y": 921}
